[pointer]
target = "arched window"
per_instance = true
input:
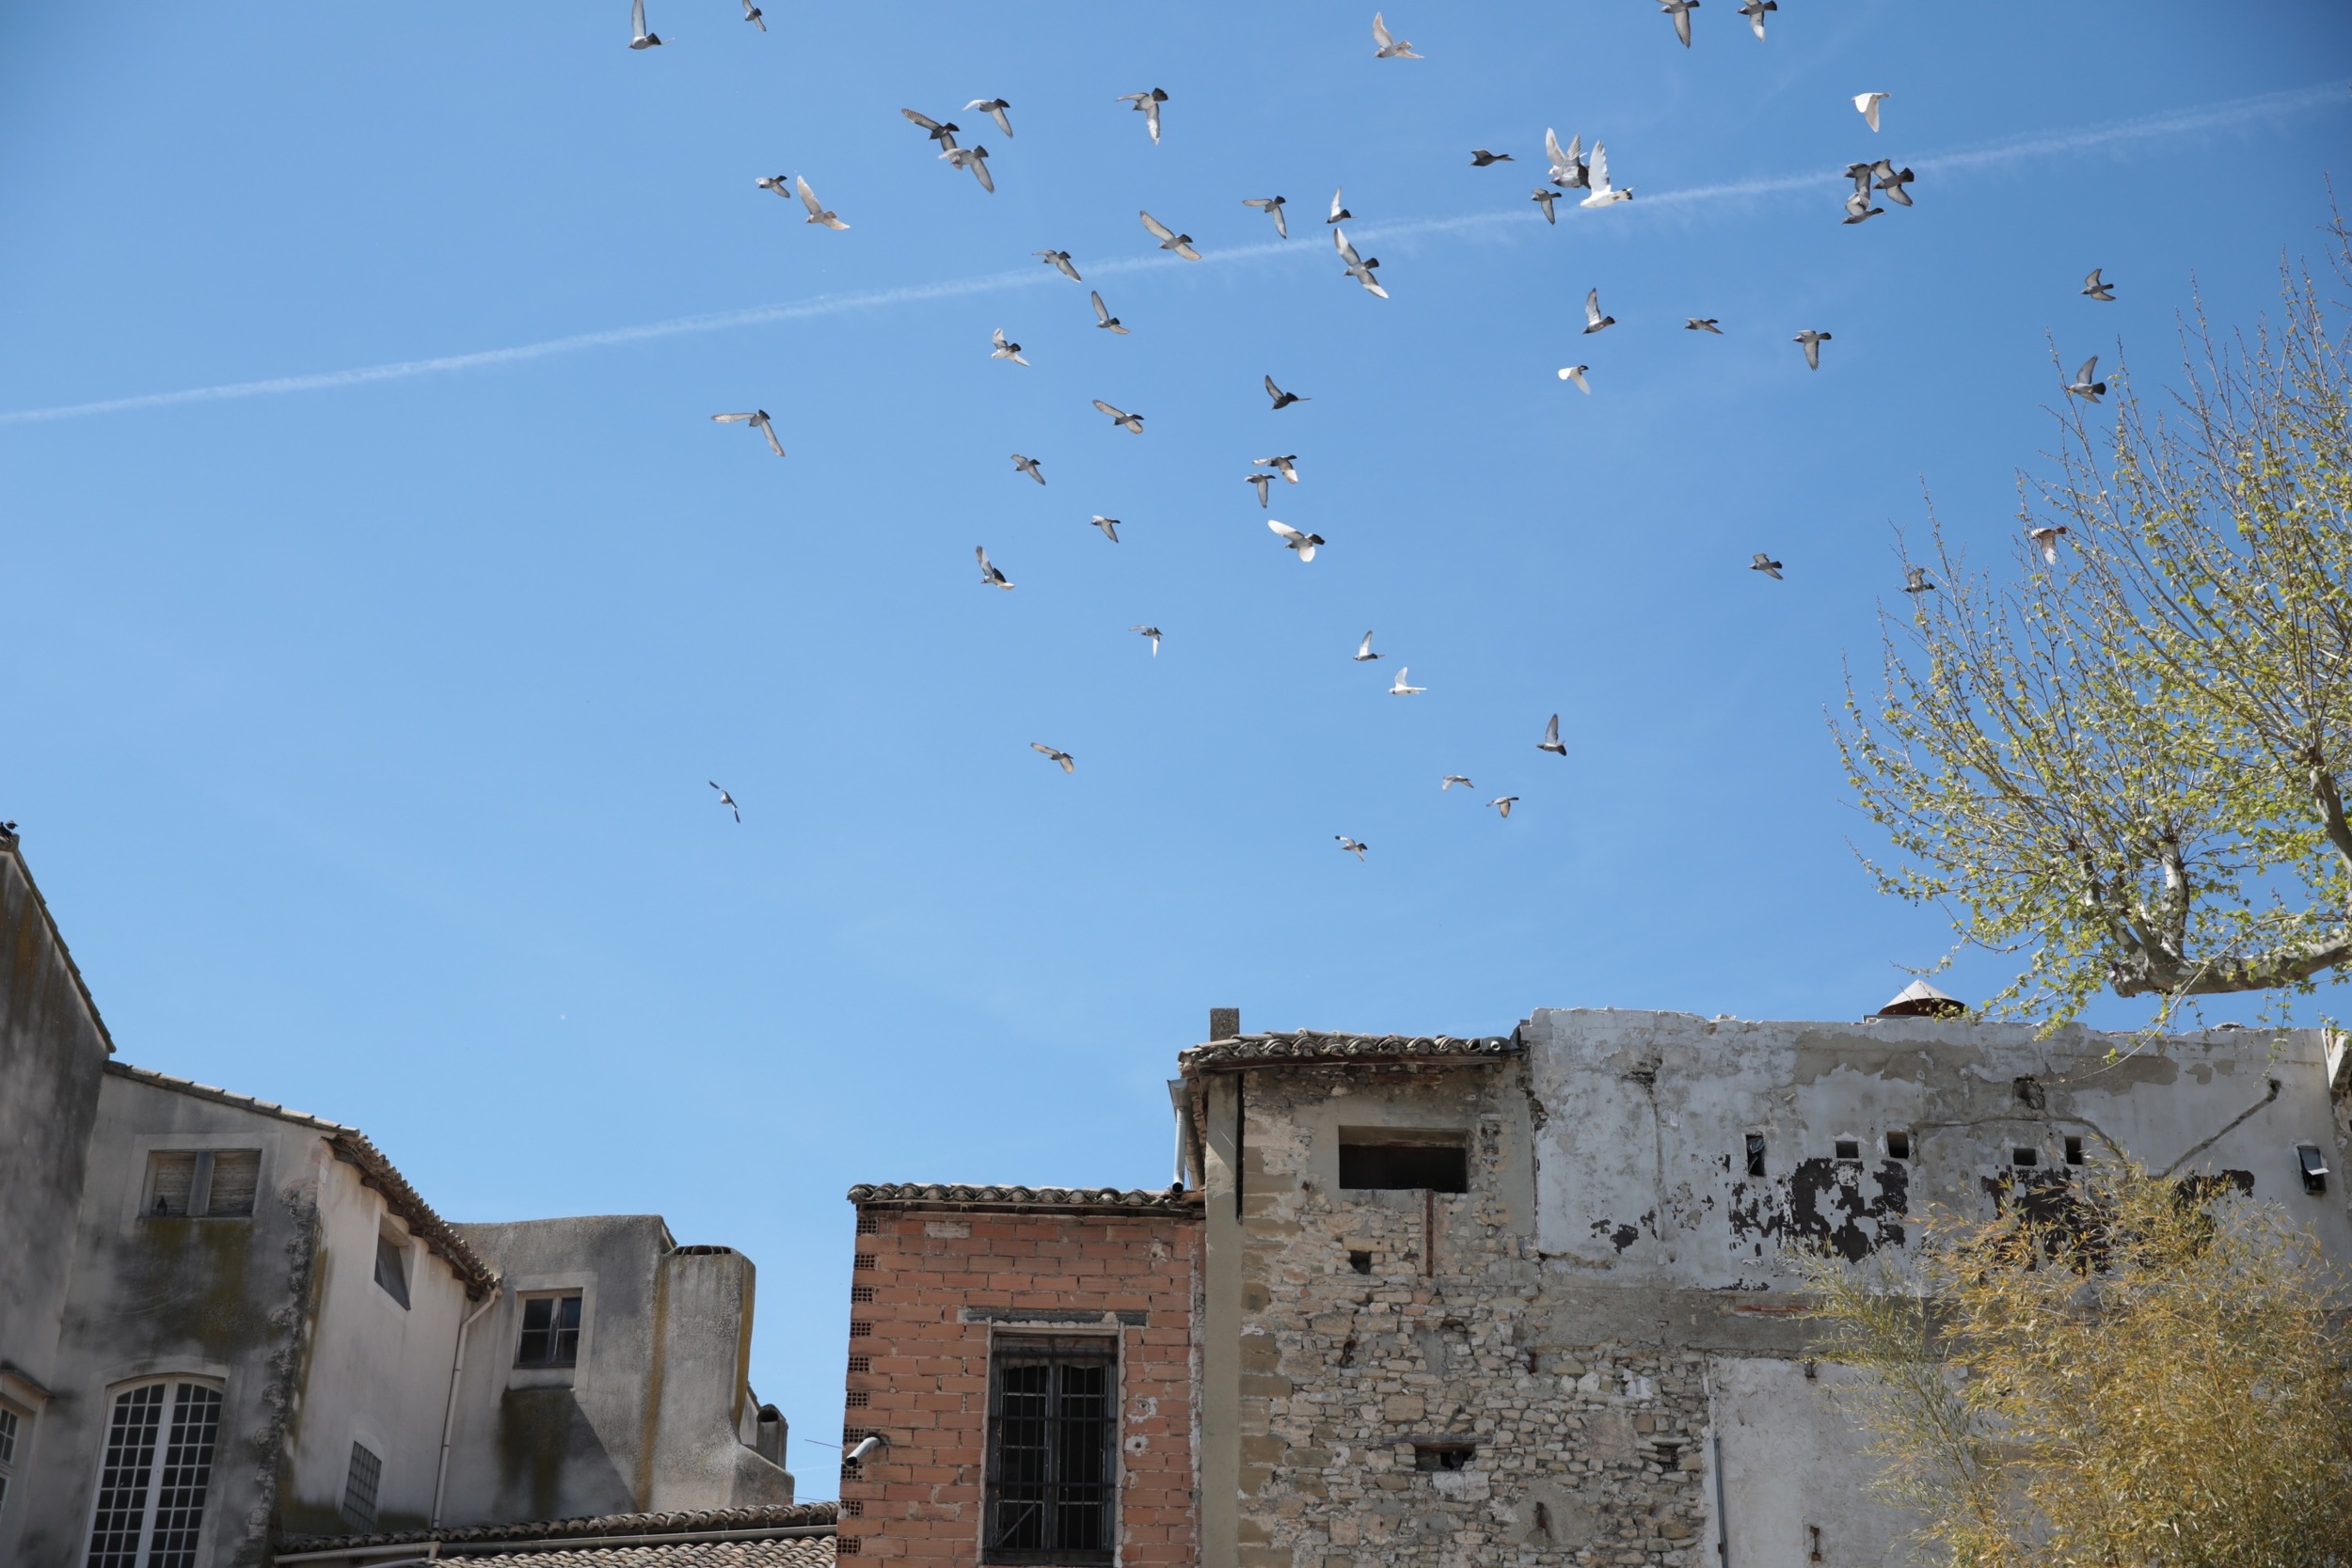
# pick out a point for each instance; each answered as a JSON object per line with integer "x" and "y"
{"x": 157, "y": 1470}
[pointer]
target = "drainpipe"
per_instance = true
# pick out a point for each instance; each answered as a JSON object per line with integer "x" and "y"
{"x": 449, "y": 1416}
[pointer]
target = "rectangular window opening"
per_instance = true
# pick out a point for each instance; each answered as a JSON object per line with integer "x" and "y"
{"x": 170, "y": 1182}
{"x": 1849, "y": 1149}
{"x": 235, "y": 1173}
{"x": 1755, "y": 1154}
{"x": 391, "y": 1264}
{"x": 2073, "y": 1148}
{"x": 2022, "y": 1156}
{"x": 214, "y": 1183}
{"x": 359, "y": 1488}
{"x": 550, "y": 1336}
{"x": 1442, "y": 1456}
{"x": 1899, "y": 1146}
{"x": 1052, "y": 1473}
{"x": 1387, "y": 1159}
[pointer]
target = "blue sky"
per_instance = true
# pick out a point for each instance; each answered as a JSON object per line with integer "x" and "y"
{"x": 360, "y": 733}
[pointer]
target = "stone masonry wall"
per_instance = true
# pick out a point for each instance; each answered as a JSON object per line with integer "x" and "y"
{"x": 933, "y": 1286}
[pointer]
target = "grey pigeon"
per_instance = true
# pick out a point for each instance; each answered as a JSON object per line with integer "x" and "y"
{"x": 1281, "y": 399}
{"x": 2096, "y": 287}
{"x": 1916, "y": 580}
{"x": 1125, "y": 420}
{"x": 1147, "y": 105}
{"x": 994, "y": 108}
{"x": 1811, "y": 341}
{"x": 941, "y": 131}
{"x": 1364, "y": 654}
{"x": 1152, "y": 632}
{"x": 1338, "y": 212}
{"x": 1892, "y": 181}
{"x": 1272, "y": 207}
{"x": 725, "y": 798}
{"x": 1452, "y": 778}
{"x": 1594, "y": 320}
{"x": 1103, "y": 317}
{"x": 2084, "y": 384}
{"x": 1701, "y": 323}
{"x": 1059, "y": 260}
{"x": 1292, "y": 540}
{"x": 975, "y": 159}
{"x": 1351, "y": 846}
{"x": 642, "y": 37}
{"x": 1027, "y": 466}
{"x": 1262, "y": 481}
{"x": 1544, "y": 198}
{"x": 1109, "y": 527}
{"x": 1504, "y": 802}
{"x": 1069, "y": 763}
{"x": 1569, "y": 170}
{"x": 1550, "y": 742}
{"x": 1753, "y": 10}
{"x": 989, "y": 575}
{"x": 1168, "y": 238}
{"x": 1358, "y": 267}
{"x": 754, "y": 15}
{"x": 1480, "y": 157}
{"x": 757, "y": 419}
{"x": 1284, "y": 464}
{"x": 1004, "y": 350}
{"x": 1680, "y": 11}
{"x": 1766, "y": 565}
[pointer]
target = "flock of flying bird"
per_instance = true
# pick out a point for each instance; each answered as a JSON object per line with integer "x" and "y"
{"x": 1570, "y": 171}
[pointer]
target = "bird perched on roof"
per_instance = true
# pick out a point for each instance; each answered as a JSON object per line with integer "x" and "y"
{"x": 1916, "y": 580}
{"x": 1680, "y": 11}
{"x": 1109, "y": 527}
{"x": 1811, "y": 341}
{"x": 1452, "y": 778}
{"x": 1359, "y": 268}
{"x": 988, "y": 573}
{"x": 1059, "y": 261}
{"x": 1103, "y": 317}
{"x": 1753, "y": 10}
{"x": 1576, "y": 373}
{"x": 1594, "y": 320}
{"x": 1550, "y": 742}
{"x": 1892, "y": 181}
{"x": 643, "y": 37}
{"x": 1069, "y": 763}
{"x": 1168, "y": 238}
{"x": 1766, "y": 565}
{"x": 1385, "y": 46}
{"x": 1504, "y": 802}
{"x": 1292, "y": 540}
{"x": 2084, "y": 385}
{"x": 1261, "y": 481}
{"x": 1597, "y": 175}
{"x": 1285, "y": 464}
{"x": 1398, "y": 688}
{"x": 975, "y": 159}
{"x": 1701, "y": 323}
{"x": 754, "y": 15}
{"x": 1027, "y": 466}
{"x": 1350, "y": 845}
{"x": 1272, "y": 207}
{"x": 2046, "y": 537}
{"x": 757, "y": 419}
{"x": 1004, "y": 350}
{"x": 1363, "y": 653}
{"x": 817, "y": 211}
{"x": 1283, "y": 399}
{"x": 1152, "y": 632}
{"x": 1338, "y": 212}
{"x": 1480, "y": 157}
{"x": 1866, "y": 105}
{"x": 2096, "y": 287}
{"x": 1544, "y": 196}
{"x": 1125, "y": 420}
{"x": 1569, "y": 171}
{"x": 994, "y": 108}
{"x": 1147, "y": 105}
{"x": 725, "y": 798}
{"x": 941, "y": 131}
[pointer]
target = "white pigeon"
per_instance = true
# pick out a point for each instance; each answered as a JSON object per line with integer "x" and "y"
{"x": 1568, "y": 169}
{"x": 1866, "y": 105}
{"x": 1398, "y": 688}
{"x": 1550, "y": 742}
{"x": 754, "y": 15}
{"x": 1004, "y": 350}
{"x": 1027, "y": 466}
{"x": 1121, "y": 418}
{"x": 1452, "y": 778}
{"x": 1168, "y": 238}
{"x": 642, "y": 38}
{"x": 1762, "y": 562}
{"x": 1363, "y": 650}
{"x": 2084, "y": 384}
{"x": 757, "y": 419}
{"x": 1272, "y": 207}
{"x": 1069, "y": 763}
{"x": 988, "y": 573}
{"x": 1811, "y": 341}
{"x": 1576, "y": 373}
{"x": 1597, "y": 177}
{"x": 817, "y": 211}
{"x": 2046, "y": 537}
{"x": 1680, "y": 11}
{"x": 1292, "y": 540}
{"x": 1103, "y": 317}
{"x": 1504, "y": 802}
{"x": 994, "y": 108}
{"x": 1147, "y": 105}
{"x": 727, "y": 800}
{"x": 1109, "y": 527}
{"x": 975, "y": 159}
{"x": 1152, "y": 632}
{"x": 1385, "y": 47}
{"x": 1358, "y": 267}
{"x": 1350, "y": 845}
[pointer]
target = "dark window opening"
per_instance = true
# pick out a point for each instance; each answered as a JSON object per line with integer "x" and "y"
{"x": 1442, "y": 1456}
{"x": 1849, "y": 1149}
{"x": 1899, "y": 1146}
{"x": 359, "y": 1488}
{"x": 1755, "y": 1154}
{"x": 1404, "y": 1165}
{"x": 1359, "y": 1261}
{"x": 551, "y": 1332}
{"x": 391, "y": 1265}
{"x": 2073, "y": 1149}
{"x": 2023, "y": 1156}
{"x": 1051, "y": 1472}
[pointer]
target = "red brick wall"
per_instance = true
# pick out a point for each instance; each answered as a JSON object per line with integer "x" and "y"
{"x": 927, "y": 1387}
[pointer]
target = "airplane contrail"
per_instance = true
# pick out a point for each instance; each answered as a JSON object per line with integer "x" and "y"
{"x": 2272, "y": 106}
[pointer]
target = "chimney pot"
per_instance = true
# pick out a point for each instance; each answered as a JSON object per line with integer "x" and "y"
{"x": 1224, "y": 1024}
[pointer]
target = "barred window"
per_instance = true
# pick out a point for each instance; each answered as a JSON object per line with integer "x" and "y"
{"x": 359, "y": 1487}
{"x": 157, "y": 1470}
{"x": 1052, "y": 1473}
{"x": 551, "y": 1332}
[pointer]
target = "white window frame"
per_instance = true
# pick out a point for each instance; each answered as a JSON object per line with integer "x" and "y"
{"x": 576, "y": 1376}
{"x": 16, "y": 1436}
{"x": 143, "y": 1547}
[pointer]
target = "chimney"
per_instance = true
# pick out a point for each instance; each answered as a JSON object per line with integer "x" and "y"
{"x": 1224, "y": 1024}
{"x": 1921, "y": 1000}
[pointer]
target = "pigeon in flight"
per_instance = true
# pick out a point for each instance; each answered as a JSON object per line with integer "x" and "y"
{"x": 1358, "y": 267}
{"x": 1858, "y": 208}
{"x": 1350, "y": 845}
{"x": 1576, "y": 373}
{"x": 2098, "y": 289}
{"x": 1364, "y": 654}
{"x": 941, "y": 131}
{"x": 1916, "y": 580}
{"x": 1286, "y": 464}
{"x": 1866, "y": 103}
{"x": 1753, "y": 10}
{"x": 1702, "y": 323}
{"x": 1812, "y": 343}
{"x": 1451, "y": 779}
{"x": 1281, "y": 399}
{"x": 1338, "y": 212}
{"x": 817, "y": 213}
{"x": 1168, "y": 238}
{"x": 754, "y": 15}
{"x": 2047, "y": 538}
{"x": 975, "y": 159}
{"x": 725, "y": 798}
{"x": 1543, "y": 197}
{"x": 1480, "y": 157}
{"x": 994, "y": 108}
{"x": 1260, "y": 481}
{"x": 1121, "y": 418}
{"x": 1103, "y": 317}
{"x": 1504, "y": 802}
{"x": 1550, "y": 742}
{"x": 1892, "y": 181}
{"x": 1059, "y": 260}
{"x": 1766, "y": 565}
{"x": 1598, "y": 176}
{"x": 1292, "y": 540}
{"x": 1861, "y": 174}
{"x": 1385, "y": 47}
{"x": 1398, "y": 687}
{"x": 1147, "y": 105}
{"x": 1027, "y": 466}
{"x": 1569, "y": 171}
{"x": 1272, "y": 207}
{"x": 1152, "y": 632}
{"x": 780, "y": 184}
{"x": 1594, "y": 320}
{"x": 643, "y": 39}
{"x": 1680, "y": 11}
{"x": 988, "y": 573}
{"x": 2084, "y": 385}
{"x": 1069, "y": 763}
{"x": 1109, "y": 527}
{"x": 1004, "y": 350}
{"x": 757, "y": 419}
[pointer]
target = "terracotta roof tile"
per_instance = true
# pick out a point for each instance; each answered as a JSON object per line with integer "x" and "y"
{"x": 778, "y": 1517}
{"x": 1310, "y": 1046}
{"x": 802, "y": 1551}
{"x": 920, "y": 1194}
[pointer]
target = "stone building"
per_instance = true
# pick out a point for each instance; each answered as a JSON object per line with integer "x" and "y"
{"x": 1530, "y": 1299}
{"x": 229, "y": 1330}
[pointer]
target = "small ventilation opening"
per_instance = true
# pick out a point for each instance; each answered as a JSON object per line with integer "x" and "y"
{"x": 1899, "y": 1146}
{"x": 2021, "y": 1156}
{"x": 1849, "y": 1149}
{"x": 2073, "y": 1148}
{"x": 1755, "y": 1154}
{"x": 868, "y": 1222}
{"x": 1442, "y": 1456}
{"x": 1359, "y": 1261}
{"x": 1391, "y": 1160}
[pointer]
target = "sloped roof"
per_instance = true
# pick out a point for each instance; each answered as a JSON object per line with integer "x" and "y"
{"x": 920, "y": 1194}
{"x": 619, "y": 1539}
{"x": 13, "y": 846}
{"x": 1306, "y": 1046}
{"x": 791, "y": 1551}
{"x": 353, "y": 1147}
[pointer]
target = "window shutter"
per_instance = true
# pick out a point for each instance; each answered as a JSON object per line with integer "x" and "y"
{"x": 236, "y": 1172}
{"x": 170, "y": 1177}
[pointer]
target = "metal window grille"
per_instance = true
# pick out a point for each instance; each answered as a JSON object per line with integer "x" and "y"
{"x": 359, "y": 1487}
{"x": 152, "y": 1484}
{"x": 550, "y": 1336}
{"x": 1052, "y": 1482}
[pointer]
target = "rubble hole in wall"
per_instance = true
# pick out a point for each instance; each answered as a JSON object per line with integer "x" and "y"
{"x": 1755, "y": 1154}
{"x": 1359, "y": 1261}
{"x": 1443, "y": 1456}
{"x": 2073, "y": 1148}
{"x": 1848, "y": 1148}
{"x": 2024, "y": 1155}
